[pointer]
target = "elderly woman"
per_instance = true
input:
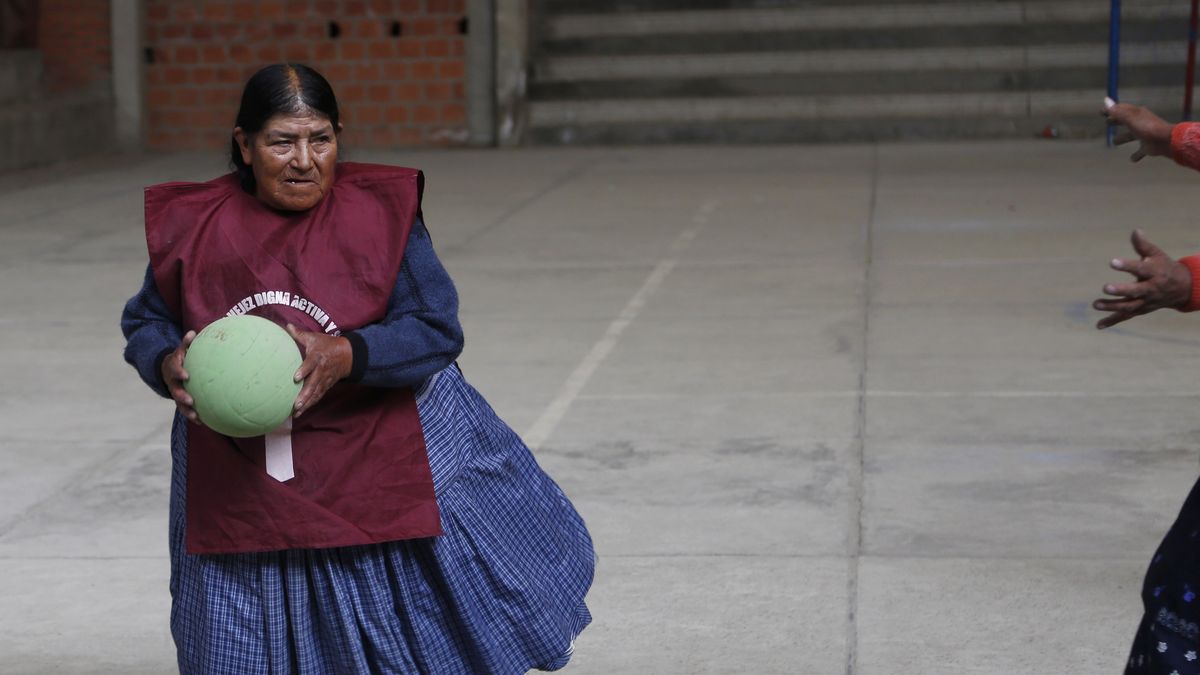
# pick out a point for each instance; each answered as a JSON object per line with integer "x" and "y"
{"x": 1168, "y": 639}
{"x": 416, "y": 533}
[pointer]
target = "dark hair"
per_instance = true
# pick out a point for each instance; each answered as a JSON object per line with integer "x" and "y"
{"x": 286, "y": 88}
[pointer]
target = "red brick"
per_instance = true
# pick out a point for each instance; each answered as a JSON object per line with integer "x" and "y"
{"x": 296, "y": 53}
{"x": 258, "y": 32}
{"x": 243, "y": 11}
{"x": 424, "y": 27}
{"x": 176, "y": 76}
{"x": 354, "y": 8}
{"x": 395, "y": 70}
{"x": 382, "y": 7}
{"x": 325, "y": 51}
{"x": 382, "y": 137}
{"x": 353, "y": 93}
{"x": 229, "y": 31}
{"x": 379, "y": 93}
{"x": 296, "y": 8}
{"x": 270, "y": 9}
{"x": 453, "y": 113}
{"x": 219, "y": 97}
{"x": 202, "y": 31}
{"x": 187, "y": 96}
{"x": 158, "y": 97}
{"x": 157, "y": 12}
{"x": 366, "y": 72}
{"x": 283, "y": 30}
{"x": 437, "y": 48}
{"x": 214, "y": 54}
{"x": 241, "y": 53}
{"x": 368, "y": 114}
{"x": 396, "y": 114}
{"x": 410, "y": 7}
{"x": 424, "y": 70}
{"x": 175, "y": 118}
{"x": 437, "y": 91}
{"x": 409, "y": 91}
{"x": 216, "y": 11}
{"x": 449, "y": 26}
{"x": 409, "y": 136}
{"x": 381, "y": 50}
{"x": 229, "y": 75}
{"x": 204, "y": 75}
{"x": 458, "y": 48}
{"x": 270, "y": 53}
{"x": 425, "y": 114}
{"x": 353, "y": 51}
{"x": 451, "y": 70}
{"x": 337, "y": 72}
{"x": 327, "y": 8}
{"x": 314, "y": 31}
{"x": 172, "y": 31}
{"x": 370, "y": 29}
{"x": 409, "y": 49}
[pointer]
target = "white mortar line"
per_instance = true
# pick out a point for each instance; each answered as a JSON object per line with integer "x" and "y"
{"x": 545, "y": 424}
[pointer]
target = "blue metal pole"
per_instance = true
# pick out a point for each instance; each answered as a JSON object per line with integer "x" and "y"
{"x": 1114, "y": 56}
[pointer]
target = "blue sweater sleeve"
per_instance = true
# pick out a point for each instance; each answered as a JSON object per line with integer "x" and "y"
{"x": 151, "y": 333}
{"x": 420, "y": 335}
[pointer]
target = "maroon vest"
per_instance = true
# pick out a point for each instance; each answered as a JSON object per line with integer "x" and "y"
{"x": 361, "y": 471}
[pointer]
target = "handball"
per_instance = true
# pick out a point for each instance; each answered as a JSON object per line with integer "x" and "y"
{"x": 240, "y": 375}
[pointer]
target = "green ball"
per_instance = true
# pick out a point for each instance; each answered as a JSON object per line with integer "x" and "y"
{"x": 240, "y": 375}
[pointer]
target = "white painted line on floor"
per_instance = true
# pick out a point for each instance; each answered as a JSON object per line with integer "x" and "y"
{"x": 553, "y": 414}
{"x": 852, "y": 393}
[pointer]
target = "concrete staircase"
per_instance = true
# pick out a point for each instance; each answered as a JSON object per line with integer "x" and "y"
{"x": 37, "y": 129}
{"x": 646, "y": 71}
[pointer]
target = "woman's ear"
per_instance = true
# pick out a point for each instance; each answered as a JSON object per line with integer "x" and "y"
{"x": 243, "y": 141}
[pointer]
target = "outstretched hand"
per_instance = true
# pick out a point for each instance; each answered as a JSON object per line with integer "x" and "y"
{"x": 1152, "y": 132}
{"x": 1161, "y": 282}
{"x": 327, "y": 360}
{"x": 174, "y": 376}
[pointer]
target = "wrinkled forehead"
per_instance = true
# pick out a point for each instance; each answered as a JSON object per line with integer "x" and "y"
{"x": 307, "y": 122}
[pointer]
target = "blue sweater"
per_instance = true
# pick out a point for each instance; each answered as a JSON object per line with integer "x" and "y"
{"x": 419, "y": 336}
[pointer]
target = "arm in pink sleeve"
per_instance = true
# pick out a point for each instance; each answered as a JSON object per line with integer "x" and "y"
{"x": 1192, "y": 262}
{"x": 1185, "y": 144}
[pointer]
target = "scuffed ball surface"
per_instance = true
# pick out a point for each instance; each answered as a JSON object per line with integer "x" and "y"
{"x": 240, "y": 371}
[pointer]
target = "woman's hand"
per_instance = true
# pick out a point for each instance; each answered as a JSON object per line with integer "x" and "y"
{"x": 1152, "y": 132}
{"x": 1161, "y": 282}
{"x": 327, "y": 360}
{"x": 174, "y": 376}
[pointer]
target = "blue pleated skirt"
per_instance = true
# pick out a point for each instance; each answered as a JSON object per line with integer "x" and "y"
{"x": 501, "y": 591}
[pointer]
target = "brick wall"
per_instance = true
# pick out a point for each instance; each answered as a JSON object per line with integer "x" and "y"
{"x": 73, "y": 37}
{"x": 397, "y": 66}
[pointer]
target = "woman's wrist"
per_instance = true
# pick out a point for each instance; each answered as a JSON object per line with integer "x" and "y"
{"x": 1191, "y": 302}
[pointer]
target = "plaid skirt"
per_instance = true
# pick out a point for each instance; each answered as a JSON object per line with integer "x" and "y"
{"x": 501, "y": 591}
{"x": 1167, "y": 641}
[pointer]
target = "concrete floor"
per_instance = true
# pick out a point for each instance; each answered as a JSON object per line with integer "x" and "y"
{"x": 833, "y": 409}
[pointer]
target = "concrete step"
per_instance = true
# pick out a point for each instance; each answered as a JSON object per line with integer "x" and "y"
{"x": 561, "y": 7}
{"x": 21, "y": 75}
{"x": 1168, "y": 30}
{"x": 49, "y": 130}
{"x": 954, "y": 60}
{"x": 736, "y": 119}
{"x": 857, "y": 17}
{"x": 1015, "y": 80}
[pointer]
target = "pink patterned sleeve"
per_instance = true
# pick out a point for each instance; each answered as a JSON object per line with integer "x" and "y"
{"x": 1185, "y": 144}
{"x": 1193, "y": 264}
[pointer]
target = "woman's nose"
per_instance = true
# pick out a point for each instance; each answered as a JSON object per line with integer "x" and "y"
{"x": 302, "y": 158}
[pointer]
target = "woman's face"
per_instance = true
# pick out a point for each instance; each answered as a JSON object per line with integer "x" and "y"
{"x": 292, "y": 158}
